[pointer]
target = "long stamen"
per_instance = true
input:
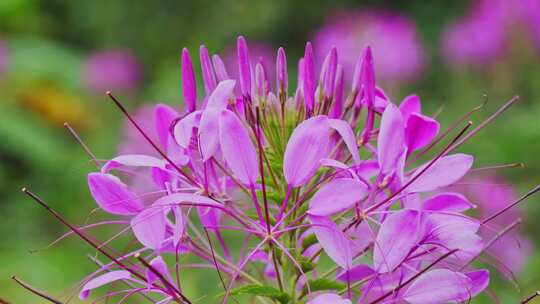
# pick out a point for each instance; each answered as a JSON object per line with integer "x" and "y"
{"x": 148, "y": 139}
{"x": 35, "y": 291}
{"x": 175, "y": 292}
{"x": 499, "y": 235}
{"x": 82, "y": 144}
{"x": 487, "y": 121}
{"x": 431, "y": 163}
{"x": 261, "y": 169}
{"x": 531, "y": 297}
{"x": 265, "y": 201}
{"x": 83, "y": 236}
{"x": 414, "y": 277}
{"x": 447, "y": 131}
{"x": 524, "y": 197}
{"x": 496, "y": 167}
{"x": 214, "y": 259}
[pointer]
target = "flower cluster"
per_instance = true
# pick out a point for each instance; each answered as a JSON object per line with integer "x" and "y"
{"x": 111, "y": 69}
{"x": 339, "y": 194}
{"x": 484, "y": 34}
{"x": 382, "y": 30}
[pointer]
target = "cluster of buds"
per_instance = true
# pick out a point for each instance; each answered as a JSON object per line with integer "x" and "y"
{"x": 329, "y": 173}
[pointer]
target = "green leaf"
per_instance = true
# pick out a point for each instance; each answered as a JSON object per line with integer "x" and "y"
{"x": 306, "y": 264}
{"x": 308, "y": 241}
{"x": 262, "y": 291}
{"x": 323, "y": 284}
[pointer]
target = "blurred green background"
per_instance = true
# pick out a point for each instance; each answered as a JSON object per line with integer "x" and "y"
{"x": 49, "y": 41}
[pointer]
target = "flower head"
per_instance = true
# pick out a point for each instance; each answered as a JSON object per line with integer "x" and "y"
{"x": 364, "y": 187}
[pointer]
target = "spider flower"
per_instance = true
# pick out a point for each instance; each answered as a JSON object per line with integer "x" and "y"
{"x": 364, "y": 187}
{"x": 112, "y": 69}
{"x": 393, "y": 37}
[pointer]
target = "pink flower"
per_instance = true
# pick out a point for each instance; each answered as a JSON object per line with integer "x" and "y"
{"x": 112, "y": 69}
{"x": 393, "y": 37}
{"x": 298, "y": 182}
{"x": 483, "y": 35}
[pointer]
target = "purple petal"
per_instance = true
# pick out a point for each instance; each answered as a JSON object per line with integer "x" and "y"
{"x": 219, "y": 67}
{"x": 183, "y": 130}
{"x": 410, "y": 104}
{"x": 356, "y": 79}
{"x": 281, "y": 71}
{"x": 367, "y": 78}
{"x": 210, "y": 217}
{"x": 439, "y": 286}
{"x": 420, "y": 131}
{"x": 244, "y": 66}
{"x": 208, "y": 133}
{"x": 336, "y": 196}
{"x": 337, "y": 106}
{"x": 398, "y": 234}
{"x": 381, "y": 100}
{"x": 454, "y": 232}
{"x": 345, "y": 131}
{"x": 208, "y": 128}
{"x": 329, "y": 73}
{"x": 102, "y": 280}
{"x": 177, "y": 198}
{"x": 179, "y": 225}
{"x": 237, "y": 148}
{"x": 209, "y": 79}
{"x": 309, "y": 78}
{"x": 391, "y": 139}
{"x": 261, "y": 82}
{"x": 112, "y": 195}
{"x": 189, "y": 84}
{"x": 164, "y": 117}
{"x": 158, "y": 264}
{"x": 308, "y": 144}
{"x": 149, "y": 227}
{"x": 355, "y": 274}
{"x": 327, "y": 298}
{"x": 442, "y": 173}
{"x": 132, "y": 160}
{"x": 479, "y": 279}
{"x": 451, "y": 202}
{"x": 219, "y": 99}
{"x": 332, "y": 240}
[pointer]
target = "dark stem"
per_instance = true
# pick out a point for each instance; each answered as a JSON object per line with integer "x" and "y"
{"x": 493, "y": 240}
{"x": 531, "y": 297}
{"x": 214, "y": 260}
{"x": 175, "y": 292}
{"x": 82, "y": 144}
{"x": 448, "y": 130}
{"x": 414, "y": 277}
{"x": 35, "y": 291}
{"x": 416, "y": 176}
{"x": 487, "y": 121}
{"x": 524, "y": 197}
{"x": 80, "y": 234}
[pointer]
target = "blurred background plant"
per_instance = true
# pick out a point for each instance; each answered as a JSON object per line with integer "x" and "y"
{"x": 57, "y": 58}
